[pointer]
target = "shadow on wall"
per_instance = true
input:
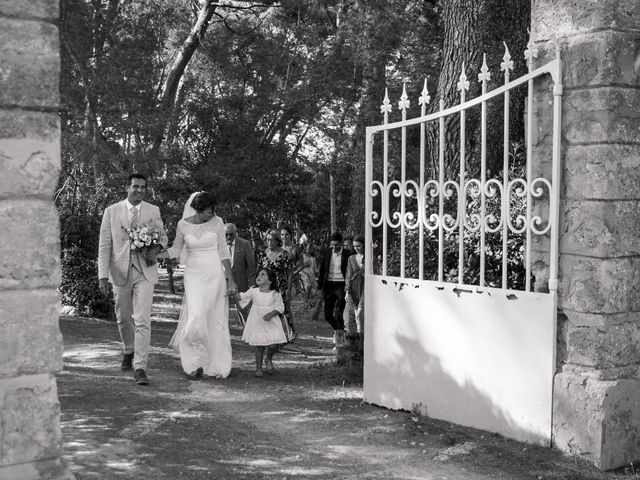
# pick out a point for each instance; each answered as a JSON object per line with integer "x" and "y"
{"x": 475, "y": 360}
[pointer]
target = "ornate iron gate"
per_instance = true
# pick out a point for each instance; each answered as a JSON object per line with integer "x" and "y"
{"x": 405, "y": 214}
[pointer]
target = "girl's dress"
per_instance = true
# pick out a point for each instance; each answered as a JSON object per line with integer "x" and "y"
{"x": 281, "y": 265}
{"x": 202, "y": 338}
{"x": 257, "y": 331}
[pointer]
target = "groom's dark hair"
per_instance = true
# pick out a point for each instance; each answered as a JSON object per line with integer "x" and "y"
{"x": 202, "y": 201}
{"x": 136, "y": 175}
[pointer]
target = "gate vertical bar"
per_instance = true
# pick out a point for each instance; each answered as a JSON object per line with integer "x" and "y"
{"x": 422, "y": 197}
{"x": 403, "y": 104}
{"x": 463, "y": 86}
{"x": 506, "y": 66}
{"x": 555, "y": 176}
{"x": 441, "y": 195}
{"x": 529, "y": 55}
{"x": 385, "y": 109}
{"x": 483, "y": 77}
{"x": 368, "y": 205}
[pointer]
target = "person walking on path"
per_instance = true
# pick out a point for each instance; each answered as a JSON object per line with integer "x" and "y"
{"x": 133, "y": 272}
{"x": 275, "y": 258}
{"x": 243, "y": 260}
{"x": 202, "y": 338}
{"x": 264, "y": 326}
{"x": 354, "y": 284}
{"x": 331, "y": 281}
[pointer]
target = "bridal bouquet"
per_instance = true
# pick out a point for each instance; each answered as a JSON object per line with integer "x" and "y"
{"x": 141, "y": 237}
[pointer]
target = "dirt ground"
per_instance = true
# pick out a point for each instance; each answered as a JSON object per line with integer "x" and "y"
{"x": 308, "y": 421}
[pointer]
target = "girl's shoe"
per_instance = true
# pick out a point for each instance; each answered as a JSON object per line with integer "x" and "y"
{"x": 258, "y": 373}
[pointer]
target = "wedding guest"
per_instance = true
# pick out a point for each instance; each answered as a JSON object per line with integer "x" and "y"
{"x": 243, "y": 262}
{"x": 286, "y": 233}
{"x": 132, "y": 272}
{"x": 354, "y": 282}
{"x": 264, "y": 327}
{"x": 275, "y": 258}
{"x": 347, "y": 245}
{"x": 331, "y": 277}
{"x": 308, "y": 271}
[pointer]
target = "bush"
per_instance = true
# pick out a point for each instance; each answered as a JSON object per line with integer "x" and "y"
{"x": 79, "y": 259}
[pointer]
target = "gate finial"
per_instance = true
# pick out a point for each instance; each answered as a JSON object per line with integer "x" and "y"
{"x": 385, "y": 108}
{"x": 507, "y": 63}
{"x": 463, "y": 83}
{"x": 485, "y": 75}
{"x": 424, "y": 98}
{"x": 531, "y": 53}
{"x": 403, "y": 104}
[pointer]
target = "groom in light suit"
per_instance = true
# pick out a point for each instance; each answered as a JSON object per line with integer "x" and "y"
{"x": 132, "y": 273}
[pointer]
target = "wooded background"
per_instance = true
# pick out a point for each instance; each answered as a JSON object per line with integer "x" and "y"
{"x": 262, "y": 103}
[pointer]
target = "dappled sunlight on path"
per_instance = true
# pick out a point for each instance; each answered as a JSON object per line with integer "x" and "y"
{"x": 307, "y": 421}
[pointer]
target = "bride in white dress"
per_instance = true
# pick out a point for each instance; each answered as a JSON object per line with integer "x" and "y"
{"x": 202, "y": 338}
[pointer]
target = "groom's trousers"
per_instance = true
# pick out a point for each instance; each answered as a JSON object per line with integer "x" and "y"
{"x": 133, "y": 311}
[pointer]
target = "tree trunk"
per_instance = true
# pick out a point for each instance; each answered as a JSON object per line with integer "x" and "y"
{"x": 471, "y": 28}
{"x": 167, "y": 99}
{"x": 332, "y": 201}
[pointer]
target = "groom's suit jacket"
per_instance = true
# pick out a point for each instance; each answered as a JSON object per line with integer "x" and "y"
{"x": 114, "y": 252}
{"x": 244, "y": 264}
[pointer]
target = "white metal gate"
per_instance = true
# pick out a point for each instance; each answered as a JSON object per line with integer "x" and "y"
{"x": 481, "y": 354}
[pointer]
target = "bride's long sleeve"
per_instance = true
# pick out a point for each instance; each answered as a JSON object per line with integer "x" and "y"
{"x": 175, "y": 250}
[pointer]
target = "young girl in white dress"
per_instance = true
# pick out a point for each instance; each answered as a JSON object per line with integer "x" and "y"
{"x": 264, "y": 326}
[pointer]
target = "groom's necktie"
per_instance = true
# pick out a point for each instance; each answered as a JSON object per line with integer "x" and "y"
{"x": 135, "y": 261}
{"x": 134, "y": 216}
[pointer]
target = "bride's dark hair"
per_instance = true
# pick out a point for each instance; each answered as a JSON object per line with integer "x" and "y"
{"x": 202, "y": 201}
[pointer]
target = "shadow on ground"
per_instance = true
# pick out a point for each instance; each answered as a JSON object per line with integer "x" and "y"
{"x": 307, "y": 421}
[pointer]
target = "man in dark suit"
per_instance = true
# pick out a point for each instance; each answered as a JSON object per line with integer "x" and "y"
{"x": 243, "y": 262}
{"x": 332, "y": 271}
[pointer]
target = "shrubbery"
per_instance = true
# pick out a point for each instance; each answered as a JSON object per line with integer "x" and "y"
{"x": 79, "y": 258}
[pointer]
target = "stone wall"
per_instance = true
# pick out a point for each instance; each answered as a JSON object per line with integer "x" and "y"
{"x": 30, "y": 340}
{"x": 596, "y": 411}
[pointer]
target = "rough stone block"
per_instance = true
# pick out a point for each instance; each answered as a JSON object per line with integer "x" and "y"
{"x": 25, "y": 124}
{"x": 29, "y": 153}
{"x": 31, "y": 244}
{"x": 29, "y": 167}
{"x": 30, "y": 419}
{"x": 601, "y": 115}
{"x": 597, "y": 419}
{"x": 32, "y": 9}
{"x": 595, "y": 59}
{"x": 561, "y": 18}
{"x": 616, "y": 345}
{"x": 30, "y": 338}
{"x": 608, "y": 172}
{"x": 600, "y": 228}
{"x": 593, "y": 285}
{"x": 29, "y": 63}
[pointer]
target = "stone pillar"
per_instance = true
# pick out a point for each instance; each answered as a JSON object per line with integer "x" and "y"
{"x": 30, "y": 340}
{"x": 596, "y": 407}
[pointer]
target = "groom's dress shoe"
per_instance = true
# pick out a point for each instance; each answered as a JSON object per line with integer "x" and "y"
{"x": 141, "y": 377}
{"x": 127, "y": 362}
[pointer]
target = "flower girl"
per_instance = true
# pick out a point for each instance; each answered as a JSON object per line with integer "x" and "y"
{"x": 264, "y": 326}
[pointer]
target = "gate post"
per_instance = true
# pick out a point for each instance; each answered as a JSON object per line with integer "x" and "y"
{"x": 30, "y": 340}
{"x": 596, "y": 407}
